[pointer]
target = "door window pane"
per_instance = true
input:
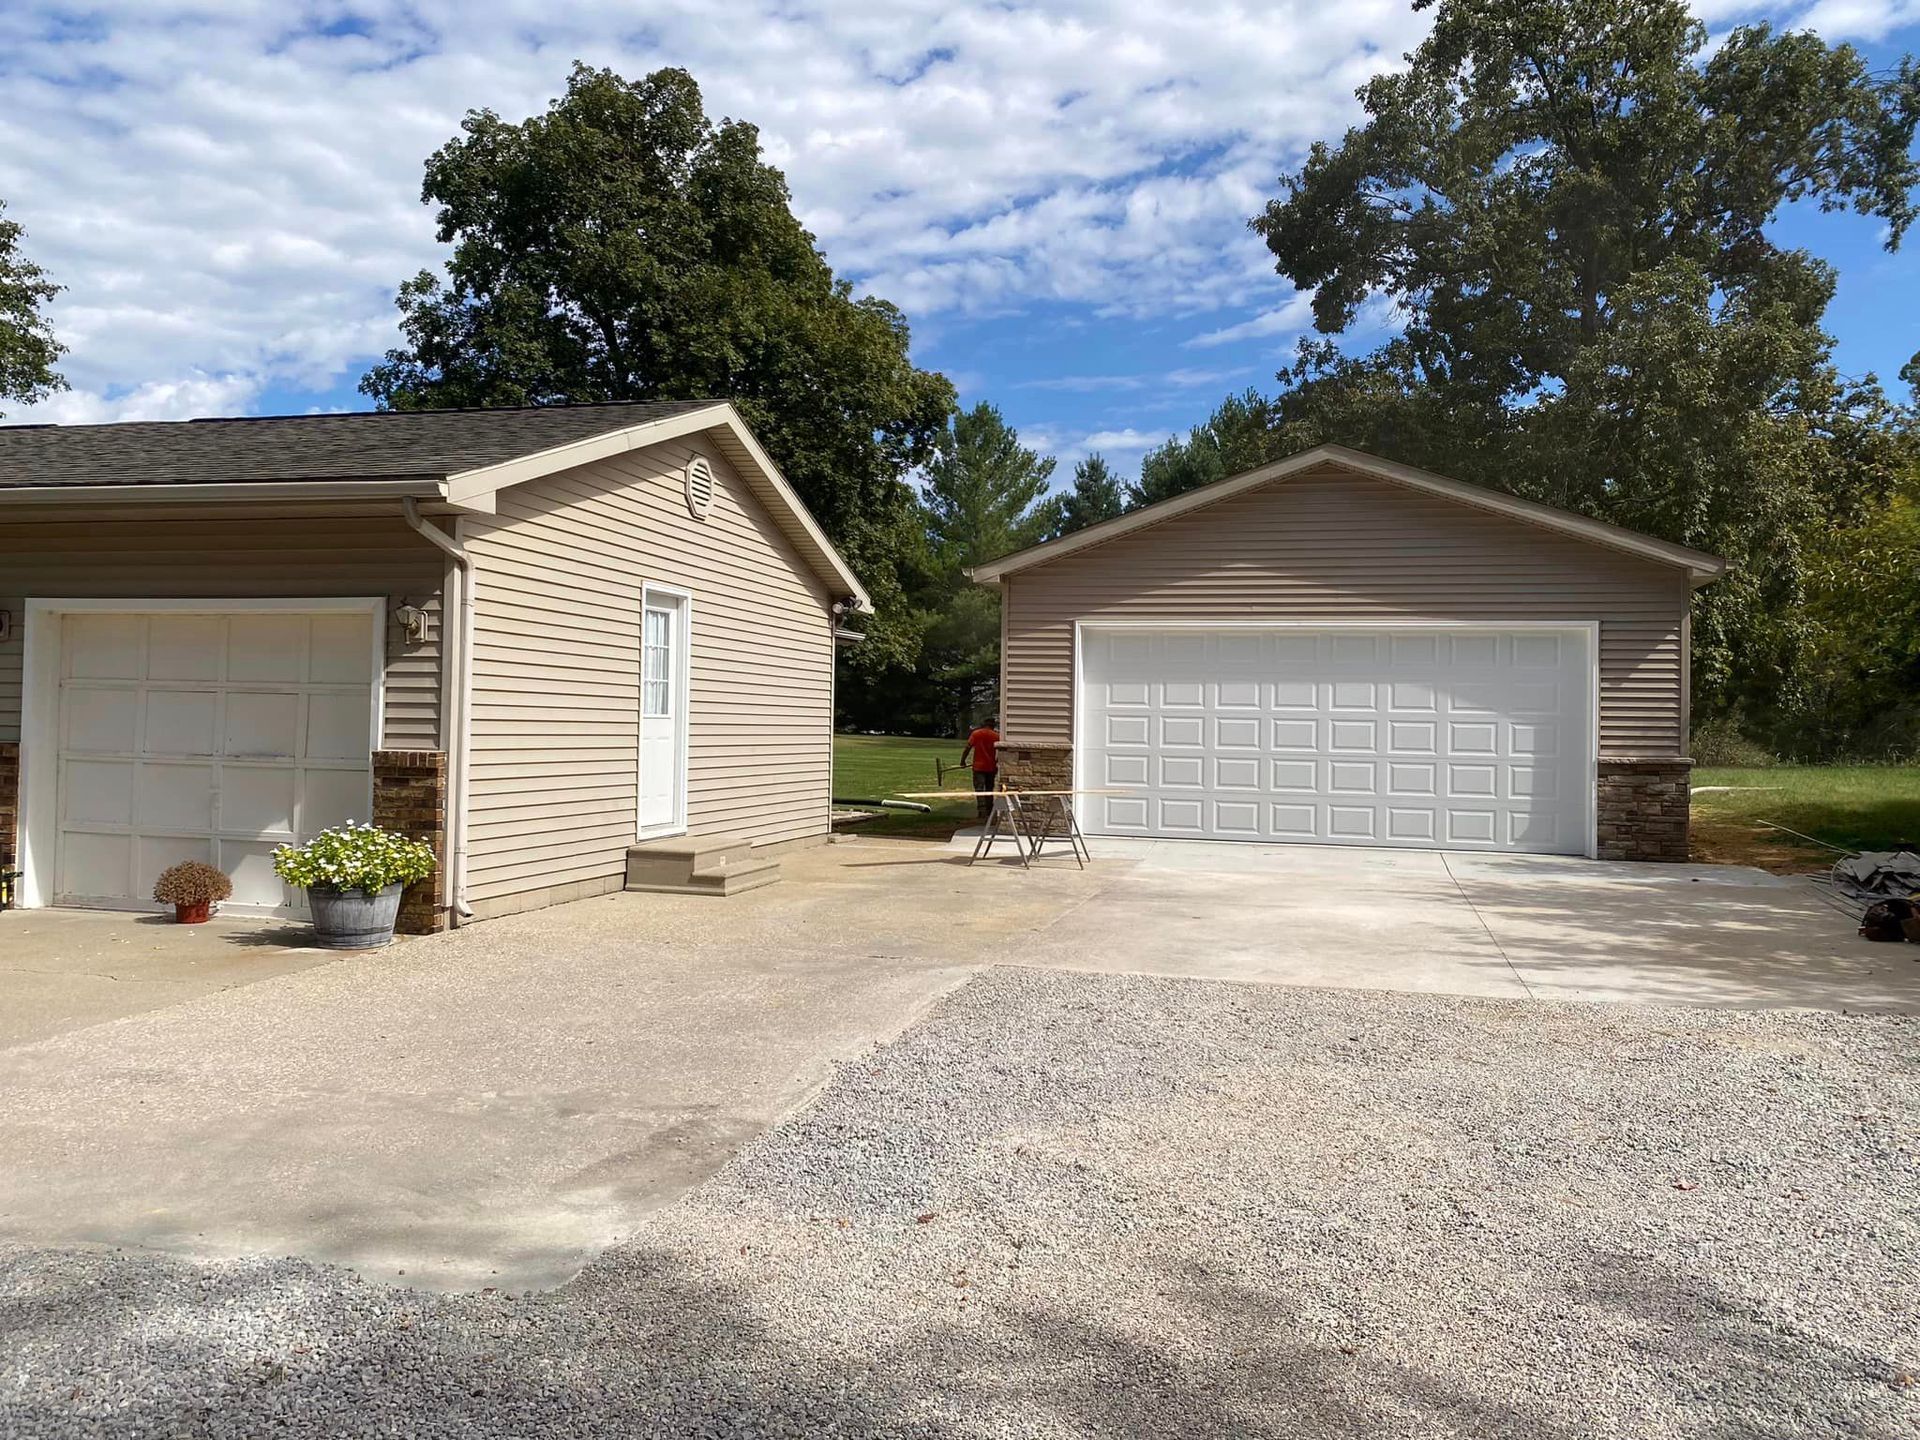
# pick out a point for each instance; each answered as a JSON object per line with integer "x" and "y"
{"x": 656, "y": 664}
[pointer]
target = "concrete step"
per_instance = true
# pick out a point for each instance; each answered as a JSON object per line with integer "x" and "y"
{"x": 738, "y": 878}
{"x": 698, "y": 867}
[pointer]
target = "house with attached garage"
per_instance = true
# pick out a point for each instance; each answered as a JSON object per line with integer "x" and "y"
{"x": 1340, "y": 650}
{"x": 575, "y": 647}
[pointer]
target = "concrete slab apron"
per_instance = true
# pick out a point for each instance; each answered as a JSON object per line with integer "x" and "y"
{"x": 488, "y": 1108}
{"x": 1685, "y": 934}
{"x": 64, "y": 969}
{"x": 1293, "y": 915}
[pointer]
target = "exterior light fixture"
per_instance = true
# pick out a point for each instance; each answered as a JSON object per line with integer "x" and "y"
{"x": 413, "y": 622}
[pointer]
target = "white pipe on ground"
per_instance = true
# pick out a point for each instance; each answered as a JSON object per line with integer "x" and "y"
{"x": 460, "y": 726}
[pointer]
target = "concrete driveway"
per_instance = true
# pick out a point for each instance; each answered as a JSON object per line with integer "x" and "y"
{"x": 1520, "y": 926}
{"x": 495, "y": 1106}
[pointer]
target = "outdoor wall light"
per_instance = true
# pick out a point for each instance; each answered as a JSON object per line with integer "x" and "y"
{"x": 6, "y": 626}
{"x": 413, "y": 622}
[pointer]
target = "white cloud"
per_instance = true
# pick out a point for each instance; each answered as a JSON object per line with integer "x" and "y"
{"x": 230, "y": 188}
{"x": 1121, "y": 449}
{"x": 1292, "y": 318}
{"x": 183, "y": 399}
{"x": 1865, "y": 19}
{"x": 1182, "y": 379}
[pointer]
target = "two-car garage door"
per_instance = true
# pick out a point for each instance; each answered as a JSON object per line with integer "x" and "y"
{"x": 212, "y": 737}
{"x": 1469, "y": 738}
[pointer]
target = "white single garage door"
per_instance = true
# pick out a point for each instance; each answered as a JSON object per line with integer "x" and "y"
{"x": 206, "y": 737}
{"x": 1468, "y": 738}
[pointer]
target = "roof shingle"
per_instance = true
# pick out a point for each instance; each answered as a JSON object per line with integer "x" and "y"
{"x": 365, "y": 445}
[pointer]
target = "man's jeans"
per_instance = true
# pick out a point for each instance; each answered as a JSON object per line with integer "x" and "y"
{"x": 983, "y": 782}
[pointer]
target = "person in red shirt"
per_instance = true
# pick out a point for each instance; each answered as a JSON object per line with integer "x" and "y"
{"x": 984, "y": 746}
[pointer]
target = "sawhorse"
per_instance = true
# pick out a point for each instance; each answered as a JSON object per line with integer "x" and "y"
{"x": 1041, "y": 827}
{"x": 1003, "y": 824}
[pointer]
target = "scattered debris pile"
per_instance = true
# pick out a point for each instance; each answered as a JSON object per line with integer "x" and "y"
{"x": 1885, "y": 883}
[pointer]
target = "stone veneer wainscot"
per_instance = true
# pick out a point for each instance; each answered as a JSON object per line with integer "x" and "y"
{"x": 1644, "y": 807}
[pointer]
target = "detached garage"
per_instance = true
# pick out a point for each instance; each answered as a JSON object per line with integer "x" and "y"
{"x": 1337, "y": 649}
{"x": 571, "y": 647}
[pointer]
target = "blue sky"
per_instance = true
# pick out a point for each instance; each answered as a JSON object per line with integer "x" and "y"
{"x": 1055, "y": 193}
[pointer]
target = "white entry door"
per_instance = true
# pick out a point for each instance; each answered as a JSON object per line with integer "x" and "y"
{"x": 663, "y": 712}
{"x": 212, "y": 737}
{"x": 1469, "y": 738}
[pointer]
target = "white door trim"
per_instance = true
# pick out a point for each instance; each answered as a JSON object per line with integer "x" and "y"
{"x": 1588, "y": 629}
{"x": 40, "y": 702}
{"x": 683, "y": 692}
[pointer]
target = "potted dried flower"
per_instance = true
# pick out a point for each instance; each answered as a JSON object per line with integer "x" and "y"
{"x": 193, "y": 888}
{"x": 353, "y": 876}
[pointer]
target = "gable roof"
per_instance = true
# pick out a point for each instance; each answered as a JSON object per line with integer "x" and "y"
{"x": 1700, "y": 566}
{"x": 460, "y": 458}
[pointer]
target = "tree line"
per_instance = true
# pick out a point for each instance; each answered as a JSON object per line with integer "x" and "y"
{"x": 1566, "y": 206}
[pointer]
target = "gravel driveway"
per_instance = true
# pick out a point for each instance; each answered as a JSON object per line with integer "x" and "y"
{"x": 1094, "y": 1205}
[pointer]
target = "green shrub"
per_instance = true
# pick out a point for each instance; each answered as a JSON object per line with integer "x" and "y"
{"x": 1719, "y": 743}
{"x": 354, "y": 857}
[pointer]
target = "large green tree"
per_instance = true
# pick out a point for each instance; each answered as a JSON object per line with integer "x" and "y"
{"x": 983, "y": 494}
{"x": 1238, "y": 436}
{"x": 28, "y": 351}
{"x": 1097, "y": 495}
{"x": 1569, "y": 205}
{"x": 622, "y": 246}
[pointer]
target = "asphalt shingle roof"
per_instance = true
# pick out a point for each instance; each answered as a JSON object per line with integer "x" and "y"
{"x": 369, "y": 445}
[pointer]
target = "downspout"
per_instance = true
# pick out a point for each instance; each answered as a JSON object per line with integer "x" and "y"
{"x": 840, "y": 635}
{"x": 460, "y": 727}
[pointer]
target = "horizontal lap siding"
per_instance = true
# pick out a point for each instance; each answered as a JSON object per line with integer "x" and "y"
{"x": 556, "y": 670}
{"x": 155, "y": 552}
{"x": 1331, "y": 545}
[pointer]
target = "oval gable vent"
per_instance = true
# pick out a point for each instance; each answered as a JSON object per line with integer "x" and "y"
{"x": 699, "y": 487}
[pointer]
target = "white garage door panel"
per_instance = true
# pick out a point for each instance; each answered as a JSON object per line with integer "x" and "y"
{"x": 207, "y": 737}
{"x": 1446, "y": 738}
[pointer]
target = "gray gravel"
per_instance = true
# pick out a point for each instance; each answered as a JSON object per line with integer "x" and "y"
{"x": 1081, "y": 1205}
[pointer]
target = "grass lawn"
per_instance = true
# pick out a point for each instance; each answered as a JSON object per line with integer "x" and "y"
{"x": 880, "y": 767}
{"x": 1863, "y": 807}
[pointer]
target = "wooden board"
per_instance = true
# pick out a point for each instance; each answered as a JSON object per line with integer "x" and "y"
{"x": 963, "y": 794}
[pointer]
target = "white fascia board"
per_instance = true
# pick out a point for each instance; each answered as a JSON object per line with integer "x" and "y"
{"x": 466, "y": 486}
{"x": 1701, "y": 566}
{"x": 473, "y": 488}
{"x": 247, "y": 490}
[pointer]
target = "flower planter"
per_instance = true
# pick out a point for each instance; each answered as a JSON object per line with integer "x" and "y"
{"x": 193, "y": 888}
{"x": 354, "y": 919}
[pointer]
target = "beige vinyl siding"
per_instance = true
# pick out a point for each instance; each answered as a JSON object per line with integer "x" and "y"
{"x": 556, "y": 695}
{"x": 161, "y": 552}
{"x": 1333, "y": 545}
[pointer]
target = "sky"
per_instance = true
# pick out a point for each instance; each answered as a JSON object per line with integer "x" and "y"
{"x": 1055, "y": 193}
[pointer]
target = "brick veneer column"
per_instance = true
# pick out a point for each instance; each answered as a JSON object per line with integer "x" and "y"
{"x": 410, "y": 796}
{"x": 1035, "y": 767}
{"x": 1644, "y": 806}
{"x": 1044, "y": 765}
{"x": 9, "y": 804}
